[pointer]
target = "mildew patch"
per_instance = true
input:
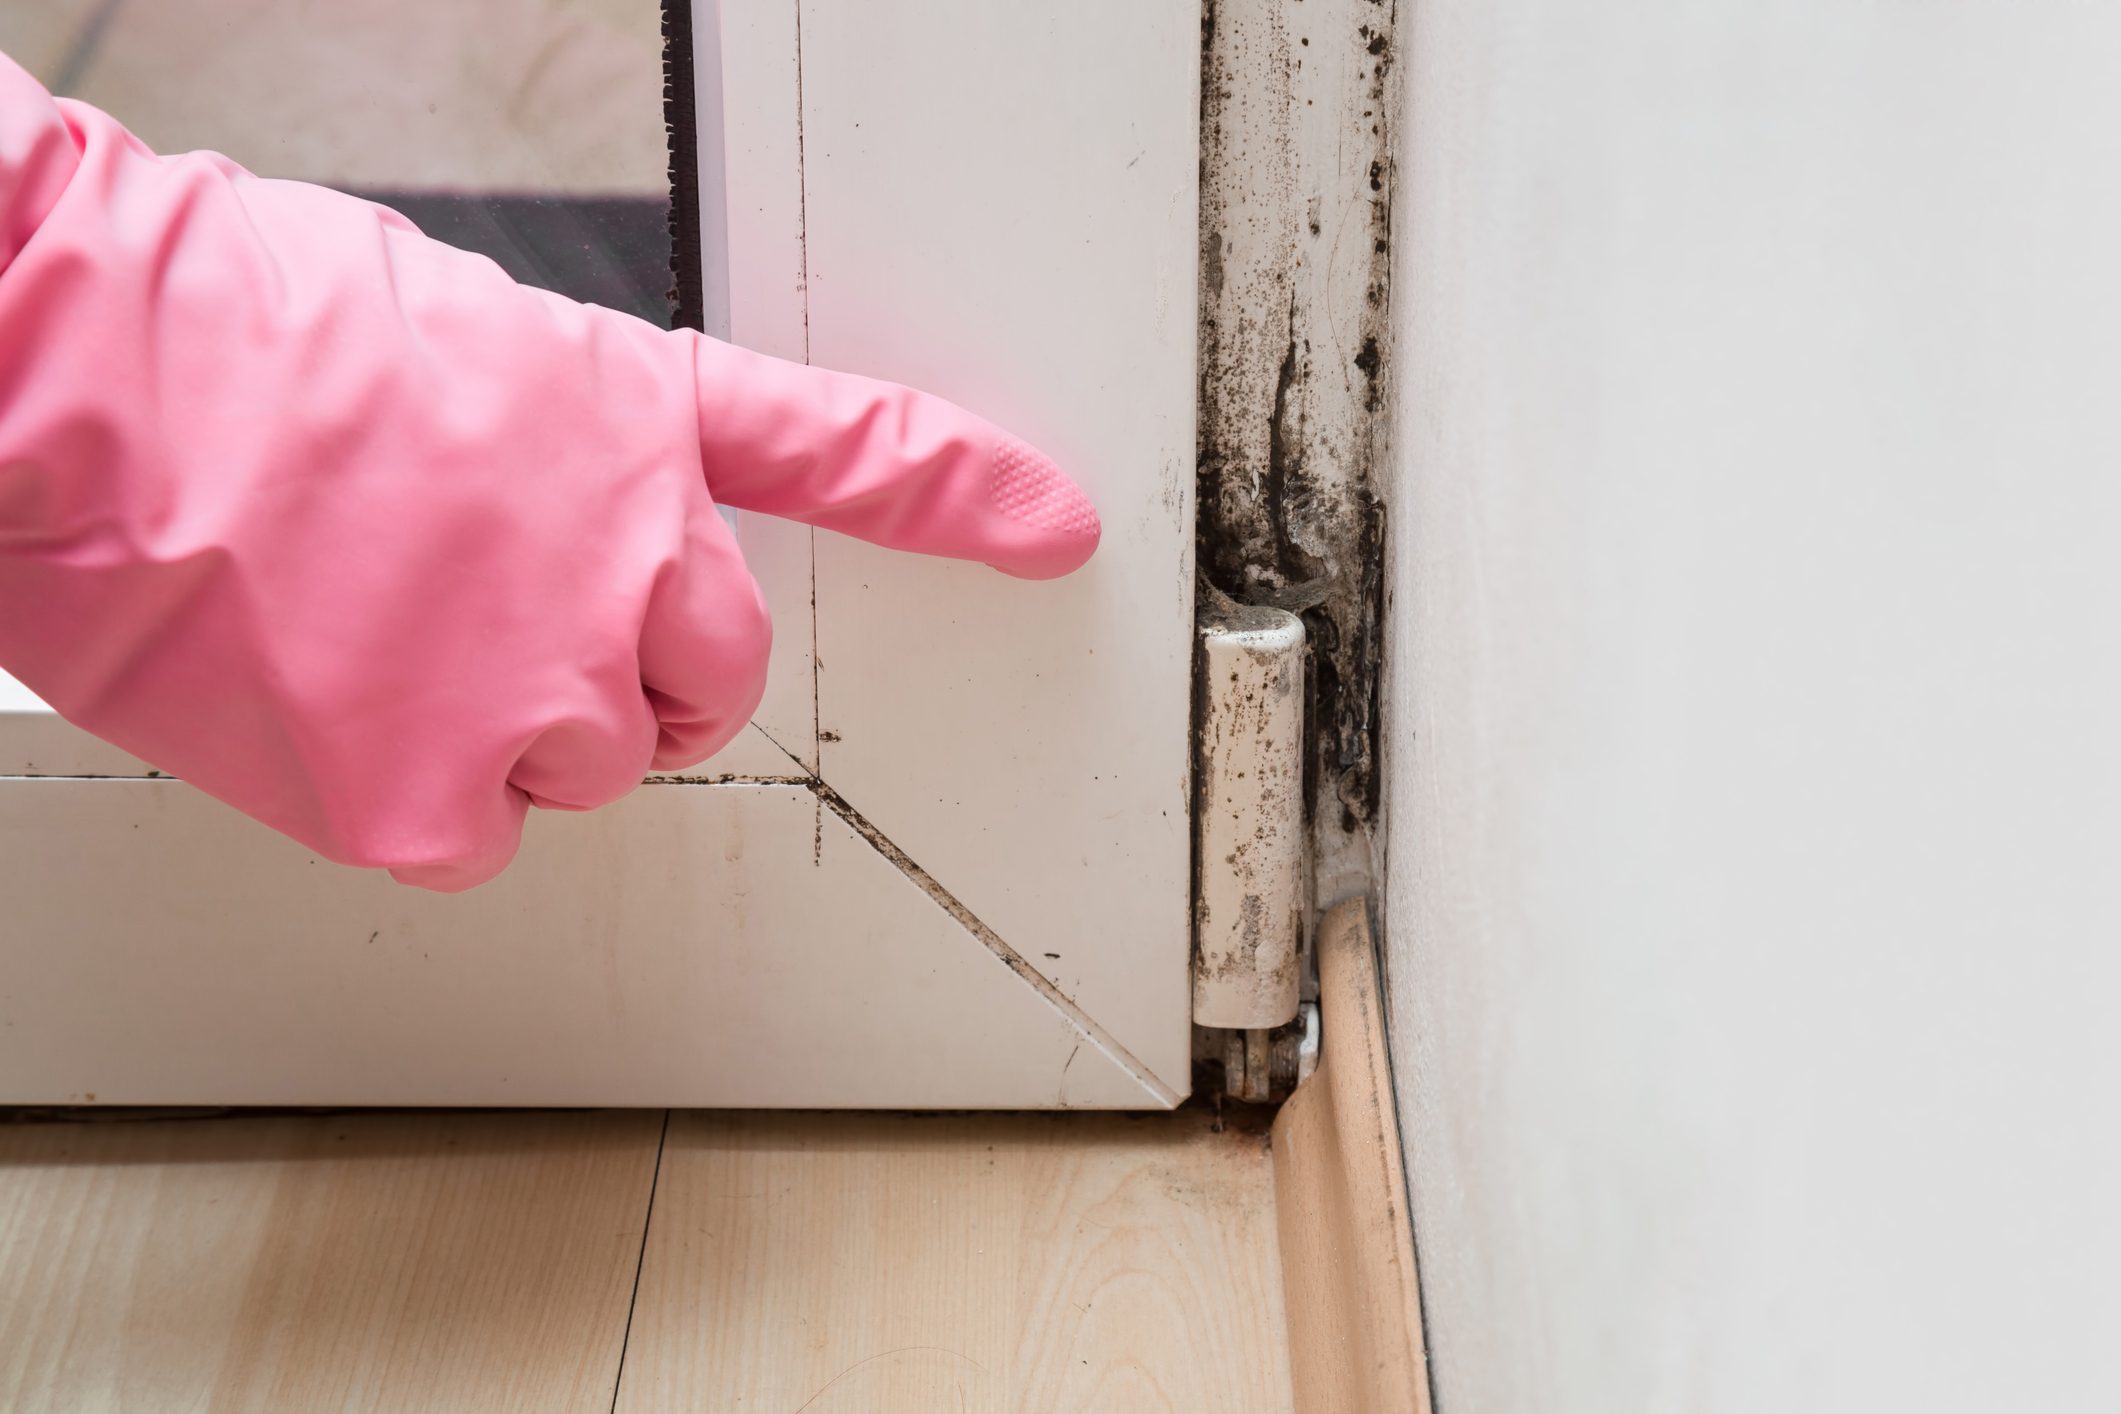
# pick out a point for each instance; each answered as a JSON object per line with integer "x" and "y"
{"x": 1295, "y": 349}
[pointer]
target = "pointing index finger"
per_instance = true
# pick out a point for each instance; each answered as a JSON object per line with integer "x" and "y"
{"x": 885, "y": 463}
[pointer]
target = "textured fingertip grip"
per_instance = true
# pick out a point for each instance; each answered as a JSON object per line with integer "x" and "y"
{"x": 1029, "y": 490}
{"x": 1028, "y": 487}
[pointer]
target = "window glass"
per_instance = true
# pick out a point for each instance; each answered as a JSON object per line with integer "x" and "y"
{"x": 530, "y": 131}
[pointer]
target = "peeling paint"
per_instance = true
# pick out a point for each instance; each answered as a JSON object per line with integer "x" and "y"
{"x": 1294, "y": 352}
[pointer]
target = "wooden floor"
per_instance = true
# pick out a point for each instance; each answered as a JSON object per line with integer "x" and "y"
{"x": 640, "y": 1262}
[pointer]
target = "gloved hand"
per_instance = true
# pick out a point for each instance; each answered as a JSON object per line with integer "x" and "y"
{"x": 344, "y": 527}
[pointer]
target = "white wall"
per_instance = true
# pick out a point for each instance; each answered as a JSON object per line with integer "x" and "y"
{"x": 1755, "y": 887}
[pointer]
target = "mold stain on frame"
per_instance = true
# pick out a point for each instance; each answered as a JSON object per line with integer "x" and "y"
{"x": 688, "y": 298}
{"x": 1295, "y": 261}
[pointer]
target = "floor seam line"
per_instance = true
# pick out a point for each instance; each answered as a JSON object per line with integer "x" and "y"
{"x": 640, "y": 1262}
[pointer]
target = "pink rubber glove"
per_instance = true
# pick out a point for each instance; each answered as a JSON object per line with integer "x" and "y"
{"x": 346, "y": 528}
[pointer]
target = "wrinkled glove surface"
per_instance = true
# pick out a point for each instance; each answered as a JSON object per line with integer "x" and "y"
{"x": 344, "y": 527}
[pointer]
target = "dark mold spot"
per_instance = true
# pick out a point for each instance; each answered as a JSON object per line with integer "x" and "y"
{"x": 1367, "y": 360}
{"x": 1290, "y": 505}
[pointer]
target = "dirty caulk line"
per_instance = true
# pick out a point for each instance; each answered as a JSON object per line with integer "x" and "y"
{"x": 802, "y": 288}
{"x": 808, "y": 771}
{"x": 817, "y": 721}
{"x": 802, "y": 189}
{"x": 1008, "y": 956}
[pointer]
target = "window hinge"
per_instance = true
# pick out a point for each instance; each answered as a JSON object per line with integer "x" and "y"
{"x": 1252, "y": 874}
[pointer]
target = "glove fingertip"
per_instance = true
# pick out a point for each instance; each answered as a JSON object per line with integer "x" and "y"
{"x": 1058, "y": 526}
